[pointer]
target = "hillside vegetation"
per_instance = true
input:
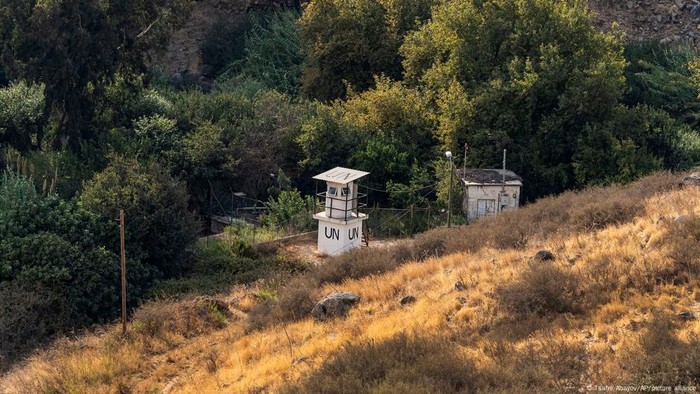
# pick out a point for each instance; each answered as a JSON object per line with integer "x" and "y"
{"x": 616, "y": 306}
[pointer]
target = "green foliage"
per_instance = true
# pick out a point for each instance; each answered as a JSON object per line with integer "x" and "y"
{"x": 160, "y": 228}
{"x": 63, "y": 249}
{"x": 394, "y": 129}
{"x": 74, "y": 47}
{"x": 349, "y": 42}
{"x": 231, "y": 138}
{"x": 326, "y": 140}
{"x": 218, "y": 265}
{"x": 522, "y": 75}
{"x": 273, "y": 53}
{"x": 659, "y": 77}
{"x": 21, "y": 115}
{"x": 634, "y": 142}
{"x": 415, "y": 192}
{"x": 225, "y": 42}
{"x": 291, "y": 212}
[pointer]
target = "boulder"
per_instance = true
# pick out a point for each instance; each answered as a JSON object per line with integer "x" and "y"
{"x": 544, "y": 255}
{"x": 334, "y": 305}
{"x": 686, "y": 316}
{"x": 407, "y": 300}
{"x": 691, "y": 180}
{"x": 459, "y": 286}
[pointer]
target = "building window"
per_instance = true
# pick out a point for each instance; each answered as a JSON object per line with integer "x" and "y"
{"x": 332, "y": 191}
{"x": 345, "y": 191}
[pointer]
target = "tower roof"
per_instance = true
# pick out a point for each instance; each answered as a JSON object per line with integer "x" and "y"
{"x": 341, "y": 175}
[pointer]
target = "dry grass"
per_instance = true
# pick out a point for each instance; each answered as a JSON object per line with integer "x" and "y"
{"x": 604, "y": 312}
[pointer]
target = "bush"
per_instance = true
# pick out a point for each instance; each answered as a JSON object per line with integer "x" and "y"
{"x": 21, "y": 115}
{"x": 62, "y": 260}
{"x": 160, "y": 229}
{"x": 29, "y": 314}
{"x": 291, "y": 212}
{"x": 224, "y": 43}
{"x": 541, "y": 289}
{"x": 683, "y": 237}
{"x": 658, "y": 357}
{"x": 273, "y": 53}
{"x": 399, "y": 364}
{"x": 188, "y": 318}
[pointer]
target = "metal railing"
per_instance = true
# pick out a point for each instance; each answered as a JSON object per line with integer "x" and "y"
{"x": 345, "y": 207}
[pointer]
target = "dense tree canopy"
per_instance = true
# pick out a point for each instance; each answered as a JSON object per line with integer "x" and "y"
{"x": 74, "y": 46}
{"x": 517, "y": 74}
{"x": 349, "y": 42}
{"x": 156, "y": 209}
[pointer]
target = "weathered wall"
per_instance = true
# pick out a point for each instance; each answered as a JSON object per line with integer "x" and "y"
{"x": 488, "y": 192}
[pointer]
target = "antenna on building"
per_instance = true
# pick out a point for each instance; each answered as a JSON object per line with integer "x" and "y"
{"x": 504, "y": 171}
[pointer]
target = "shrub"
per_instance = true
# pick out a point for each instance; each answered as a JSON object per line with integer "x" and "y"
{"x": 159, "y": 227}
{"x": 224, "y": 43}
{"x": 541, "y": 289}
{"x": 29, "y": 314}
{"x": 291, "y": 212}
{"x": 659, "y": 357}
{"x": 683, "y": 237}
{"x": 188, "y": 318}
{"x": 273, "y": 53}
{"x": 21, "y": 114}
{"x": 59, "y": 257}
{"x": 400, "y": 364}
{"x": 552, "y": 364}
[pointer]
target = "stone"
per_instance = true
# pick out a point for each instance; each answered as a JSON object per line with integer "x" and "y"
{"x": 686, "y": 316}
{"x": 695, "y": 12}
{"x": 407, "y": 300}
{"x": 459, "y": 286}
{"x": 691, "y": 180}
{"x": 334, "y": 305}
{"x": 544, "y": 255}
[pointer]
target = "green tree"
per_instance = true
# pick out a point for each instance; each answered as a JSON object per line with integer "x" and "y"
{"x": 160, "y": 228}
{"x": 225, "y": 43}
{"x": 75, "y": 47}
{"x": 273, "y": 53}
{"x": 632, "y": 143}
{"x": 527, "y": 75}
{"x": 21, "y": 115}
{"x": 395, "y": 117}
{"x": 659, "y": 77}
{"x": 352, "y": 41}
{"x": 290, "y": 211}
{"x": 73, "y": 253}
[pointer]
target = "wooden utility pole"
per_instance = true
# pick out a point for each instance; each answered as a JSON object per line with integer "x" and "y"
{"x": 123, "y": 258}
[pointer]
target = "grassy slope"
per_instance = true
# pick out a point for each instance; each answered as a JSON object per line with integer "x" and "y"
{"x": 603, "y": 313}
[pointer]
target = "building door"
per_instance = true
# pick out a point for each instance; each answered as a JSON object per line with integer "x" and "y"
{"x": 486, "y": 208}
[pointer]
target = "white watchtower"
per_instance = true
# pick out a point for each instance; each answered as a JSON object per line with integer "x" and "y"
{"x": 340, "y": 224}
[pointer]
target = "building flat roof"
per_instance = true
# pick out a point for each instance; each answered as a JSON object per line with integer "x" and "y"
{"x": 341, "y": 175}
{"x": 489, "y": 176}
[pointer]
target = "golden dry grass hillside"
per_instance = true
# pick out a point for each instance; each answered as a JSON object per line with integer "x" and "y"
{"x": 617, "y": 306}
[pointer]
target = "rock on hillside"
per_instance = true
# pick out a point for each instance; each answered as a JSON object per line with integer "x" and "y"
{"x": 667, "y": 21}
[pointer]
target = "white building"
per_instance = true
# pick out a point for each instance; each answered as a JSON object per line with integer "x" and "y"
{"x": 489, "y": 191}
{"x": 340, "y": 223}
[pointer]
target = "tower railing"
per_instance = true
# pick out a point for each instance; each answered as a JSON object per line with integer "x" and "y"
{"x": 342, "y": 207}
